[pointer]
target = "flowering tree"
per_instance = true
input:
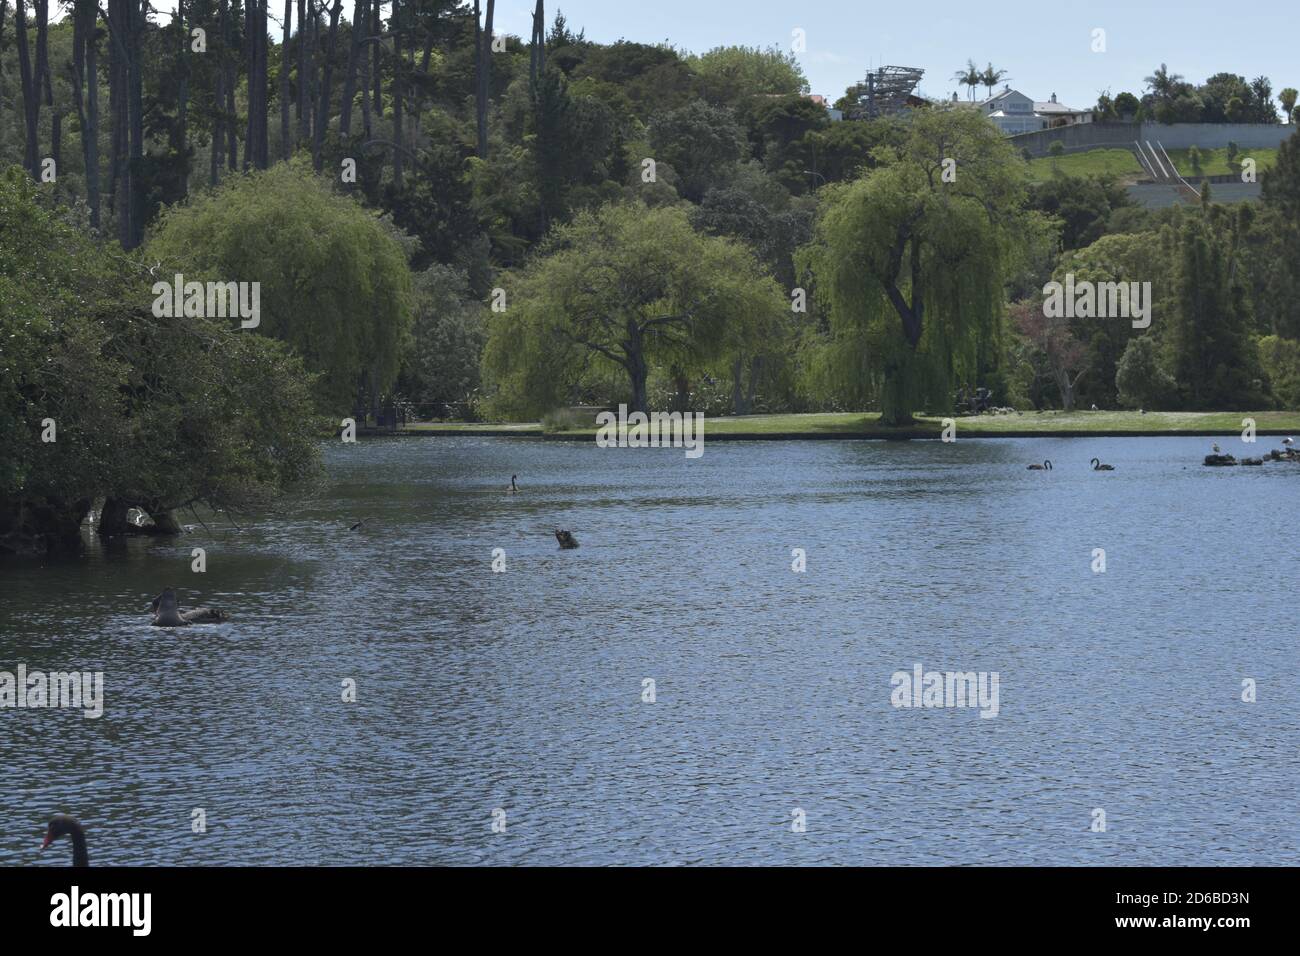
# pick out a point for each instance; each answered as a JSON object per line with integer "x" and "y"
{"x": 1057, "y": 353}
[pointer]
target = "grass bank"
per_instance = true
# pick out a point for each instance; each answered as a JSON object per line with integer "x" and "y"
{"x": 867, "y": 425}
{"x": 1119, "y": 164}
{"x": 1214, "y": 162}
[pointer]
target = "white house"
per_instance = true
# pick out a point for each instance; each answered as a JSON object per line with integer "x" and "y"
{"x": 1013, "y": 112}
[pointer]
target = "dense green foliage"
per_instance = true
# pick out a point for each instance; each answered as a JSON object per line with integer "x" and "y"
{"x": 155, "y": 412}
{"x": 623, "y": 289}
{"x": 917, "y": 255}
{"x": 334, "y": 280}
{"x": 543, "y": 169}
{"x": 1223, "y": 98}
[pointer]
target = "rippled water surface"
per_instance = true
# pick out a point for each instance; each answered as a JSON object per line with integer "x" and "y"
{"x": 523, "y": 690}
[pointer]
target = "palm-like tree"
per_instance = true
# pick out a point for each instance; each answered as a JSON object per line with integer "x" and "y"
{"x": 1163, "y": 83}
{"x": 1287, "y": 98}
{"x": 991, "y": 77}
{"x": 970, "y": 76}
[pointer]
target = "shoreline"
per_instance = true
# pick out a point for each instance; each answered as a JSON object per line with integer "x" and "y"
{"x": 857, "y": 426}
{"x": 906, "y": 435}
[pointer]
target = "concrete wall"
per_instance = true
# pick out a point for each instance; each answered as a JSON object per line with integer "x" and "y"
{"x": 1078, "y": 138}
{"x": 1087, "y": 136}
{"x": 1216, "y": 135}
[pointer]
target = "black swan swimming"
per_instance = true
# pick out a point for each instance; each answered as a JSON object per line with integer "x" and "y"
{"x": 167, "y": 613}
{"x": 1045, "y": 466}
{"x": 60, "y": 824}
{"x": 1098, "y": 466}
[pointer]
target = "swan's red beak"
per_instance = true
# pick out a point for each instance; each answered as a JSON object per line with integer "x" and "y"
{"x": 49, "y": 838}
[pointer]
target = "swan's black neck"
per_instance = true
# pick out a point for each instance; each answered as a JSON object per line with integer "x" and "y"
{"x": 79, "y": 855}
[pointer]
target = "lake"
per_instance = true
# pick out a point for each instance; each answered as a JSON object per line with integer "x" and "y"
{"x": 522, "y": 691}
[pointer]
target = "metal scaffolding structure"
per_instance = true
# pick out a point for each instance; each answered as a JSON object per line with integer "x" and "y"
{"x": 884, "y": 91}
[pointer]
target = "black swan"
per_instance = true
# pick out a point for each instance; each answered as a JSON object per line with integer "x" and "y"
{"x": 1098, "y": 466}
{"x": 566, "y": 539}
{"x": 1045, "y": 466}
{"x": 60, "y": 824}
{"x": 167, "y": 613}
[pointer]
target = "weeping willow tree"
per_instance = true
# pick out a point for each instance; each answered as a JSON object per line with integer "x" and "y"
{"x": 332, "y": 276}
{"x": 912, "y": 259}
{"x": 623, "y": 290}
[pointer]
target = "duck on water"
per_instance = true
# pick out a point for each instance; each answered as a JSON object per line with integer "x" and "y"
{"x": 168, "y": 613}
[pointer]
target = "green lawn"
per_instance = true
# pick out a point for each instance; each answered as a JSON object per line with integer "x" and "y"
{"x": 1214, "y": 162}
{"x": 859, "y": 424}
{"x": 524, "y": 428}
{"x": 1118, "y": 163}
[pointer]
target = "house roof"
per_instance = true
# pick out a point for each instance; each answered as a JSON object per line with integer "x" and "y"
{"x": 1048, "y": 106}
{"x": 1001, "y": 95}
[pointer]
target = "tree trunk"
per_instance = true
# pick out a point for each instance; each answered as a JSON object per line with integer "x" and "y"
{"x": 112, "y": 517}
{"x": 755, "y": 374}
{"x": 360, "y": 17}
{"x": 376, "y": 77}
{"x": 398, "y": 69}
{"x": 164, "y": 522}
{"x": 91, "y": 130}
{"x": 135, "y": 88}
{"x": 250, "y": 67}
{"x": 365, "y": 84}
{"x": 56, "y": 138}
{"x": 638, "y": 373}
{"x": 681, "y": 389}
{"x": 183, "y": 97}
{"x": 898, "y": 391}
{"x": 83, "y": 26}
{"x": 31, "y": 92}
{"x": 304, "y": 123}
{"x": 635, "y": 364}
{"x": 218, "y": 101}
{"x": 286, "y": 134}
{"x": 117, "y": 186}
{"x": 31, "y": 527}
{"x": 262, "y": 156}
{"x": 537, "y": 47}
{"x": 125, "y": 23}
{"x": 44, "y": 88}
{"x": 484, "y": 75}
{"x": 232, "y": 75}
{"x": 323, "y": 110}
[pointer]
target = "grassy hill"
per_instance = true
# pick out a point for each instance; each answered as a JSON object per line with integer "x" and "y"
{"x": 1122, "y": 165}
{"x": 1119, "y": 164}
{"x": 1214, "y": 162}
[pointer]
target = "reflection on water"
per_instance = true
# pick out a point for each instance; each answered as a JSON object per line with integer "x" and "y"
{"x": 522, "y": 690}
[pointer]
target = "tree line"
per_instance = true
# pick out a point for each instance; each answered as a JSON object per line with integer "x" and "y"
{"x": 467, "y": 224}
